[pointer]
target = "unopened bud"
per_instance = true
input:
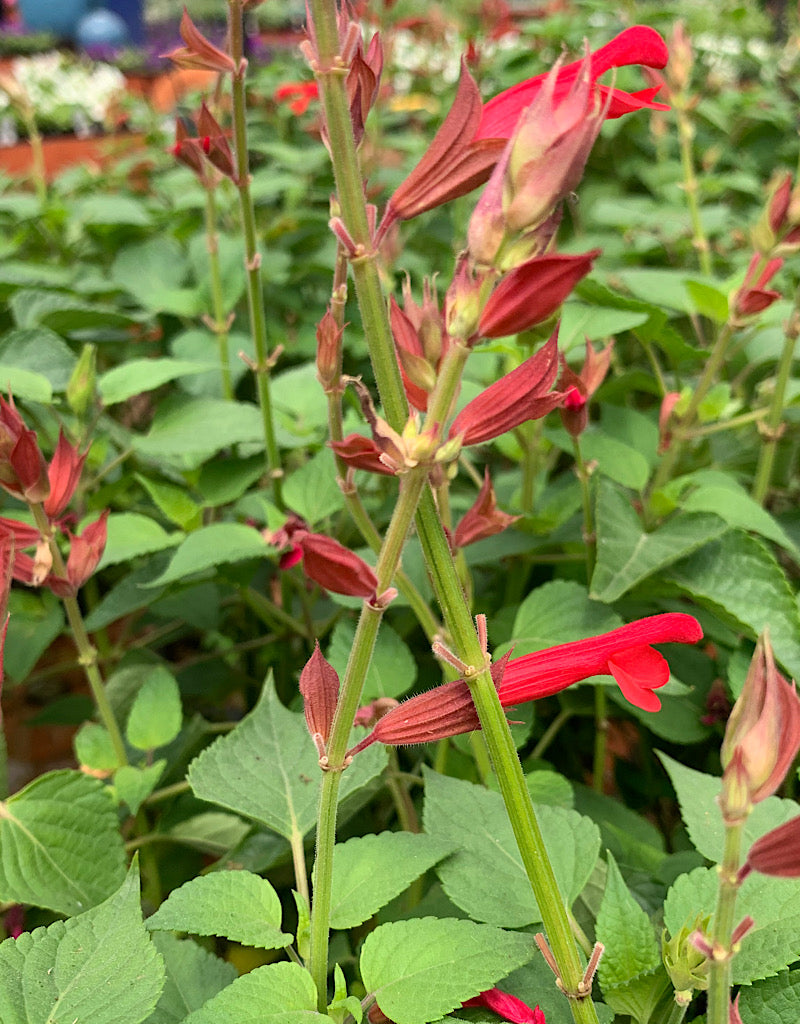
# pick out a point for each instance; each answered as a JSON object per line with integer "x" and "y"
{"x": 329, "y": 351}
{"x": 81, "y": 386}
{"x": 463, "y": 302}
{"x": 319, "y": 685}
{"x": 686, "y": 965}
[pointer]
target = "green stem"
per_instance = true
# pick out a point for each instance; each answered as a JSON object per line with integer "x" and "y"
{"x": 299, "y": 863}
{"x": 255, "y": 296}
{"x": 766, "y": 457}
{"x": 676, "y": 1013}
{"x": 349, "y": 697}
{"x": 690, "y": 184}
{"x": 87, "y": 653}
{"x": 218, "y": 322}
{"x": 719, "y": 988}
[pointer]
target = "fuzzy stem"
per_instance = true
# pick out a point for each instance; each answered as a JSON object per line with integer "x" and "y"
{"x": 218, "y": 323}
{"x": 719, "y": 988}
{"x": 255, "y": 297}
{"x": 766, "y": 457}
{"x": 690, "y": 183}
{"x": 87, "y": 654}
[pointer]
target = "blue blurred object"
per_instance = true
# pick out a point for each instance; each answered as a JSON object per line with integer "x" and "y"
{"x": 101, "y": 29}
{"x": 58, "y": 16}
{"x": 132, "y": 13}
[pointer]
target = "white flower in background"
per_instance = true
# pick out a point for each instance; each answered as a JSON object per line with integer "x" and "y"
{"x": 62, "y": 90}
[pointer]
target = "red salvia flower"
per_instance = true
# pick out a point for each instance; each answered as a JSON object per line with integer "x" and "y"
{"x": 85, "y": 551}
{"x": 298, "y": 95}
{"x": 524, "y": 394}
{"x": 361, "y": 452}
{"x": 623, "y": 653}
{"x": 508, "y": 1007}
{"x": 199, "y": 52}
{"x": 334, "y": 566}
{"x": 579, "y": 387}
{"x": 23, "y": 471}
{"x": 754, "y": 297}
{"x": 636, "y": 45}
{"x": 777, "y": 853}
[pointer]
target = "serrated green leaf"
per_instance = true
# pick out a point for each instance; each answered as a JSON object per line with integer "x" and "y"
{"x": 40, "y": 351}
{"x": 140, "y": 375}
{"x": 156, "y": 716}
{"x": 94, "y": 747}
{"x": 627, "y": 933}
{"x": 131, "y": 535}
{"x": 697, "y": 798}
{"x": 424, "y": 968}
{"x": 639, "y": 997}
{"x": 476, "y": 821}
{"x": 392, "y": 670}
{"x": 739, "y": 578}
{"x": 559, "y": 612}
{"x": 371, "y": 870}
{"x": 774, "y": 1001}
{"x": 213, "y": 832}
{"x": 281, "y": 993}
{"x": 197, "y": 427}
{"x": 99, "y": 967}
{"x": 35, "y": 620}
{"x": 236, "y": 905}
{"x": 134, "y": 785}
{"x": 268, "y": 769}
{"x": 194, "y": 975}
{"x": 61, "y": 847}
{"x": 213, "y": 545}
{"x": 626, "y": 554}
{"x": 173, "y": 501}
{"x": 773, "y": 903}
{"x": 312, "y": 490}
{"x": 708, "y": 300}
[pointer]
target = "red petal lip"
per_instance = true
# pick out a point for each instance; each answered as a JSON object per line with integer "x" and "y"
{"x": 636, "y": 45}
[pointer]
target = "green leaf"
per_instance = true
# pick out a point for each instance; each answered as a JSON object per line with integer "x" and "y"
{"x": 558, "y": 612}
{"x": 193, "y": 977}
{"x": 579, "y": 321}
{"x": 722, "y": 495}
{"x": 697, "y": 797}
{"x": 99, "y": 967}
{"x": 138, "y": 376}
{"x": 708, "y": 301}
{"x": 312, "y": 490}
{"x": 739, "y": 578}
{"x": 156, "y": 716}
{"x": 267, "y": 769}
{"x": 223, "y": 482}
{"x": 299, "y": 399}
{"x": 474, "y": 819}
{"x": 640, "y": 996}
{"x": 131, "y": 534}
{"x": 111, "y": 209}
{"x": 392, "y": 670}
{"x": 626, "y": 554}
{"x": 134, "y": 785}
{"x": 199, "y": 427}
{"x": 774, "y": 1001}
{"x": 210, "y": 546}
{"x": 173, "y": 501}
{"x": 275, "y": 994}
{"x": 212, "y": 832}
{"x": 236, "y": 905}
{"x": 40, "y": 351}
{"x": 63, "y": 313}
{"x": 626, "y": 931}
{"x": 153, "y": 272}
{"x": 422, "y": 969}
{"x": 619, "y": 461}
{"x": 34, "y": 387}
{"x": 773, "y": 903}
{"x": 94, "y": 749}
{"x": 61, "y": 844}
{"x": 371, "y": 870}
{"x": 35, "y": 620}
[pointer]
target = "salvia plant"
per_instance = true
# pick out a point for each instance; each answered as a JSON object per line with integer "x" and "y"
{"x": 503, "y": 488}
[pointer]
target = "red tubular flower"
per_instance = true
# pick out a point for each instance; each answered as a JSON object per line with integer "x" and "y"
{"x": 524, "y": 394}
{"x": 23, "y": 471}
{"x": 64, "y": 472}
{"x": 580, "y": 387}
{"x": 623, "y": 653}
{"x": 532, "y": 292}
{"x": 754, "y": 297}
{"x": 636, "y": 45}
{"x": 297, "y": 94}
{"x": 777, "y": 853}
{"x": 508, "y": 1007}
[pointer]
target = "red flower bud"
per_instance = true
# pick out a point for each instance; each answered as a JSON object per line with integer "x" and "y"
{"x": 64, "y": 473}
{"x": 361, "y": 452}
{"x": 23, "y": 471}
{"x": 335, "y": 567}
{"x": 86, "y": 551}
{"x": 199, "y": 52}
{"x": 484, "y": 519}
{"x": 319, "y": 685}
{"x": 777, "y": 853}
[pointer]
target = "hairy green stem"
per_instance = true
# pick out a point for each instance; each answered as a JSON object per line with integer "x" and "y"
{"x": 690, "y": 183}
{"x": 87, "y": 653}
{"x": 218, "y": 322}
{"x": 719, "y": 987}
{"x": 766, "y": 457}
{"x": 255, "y": 296}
